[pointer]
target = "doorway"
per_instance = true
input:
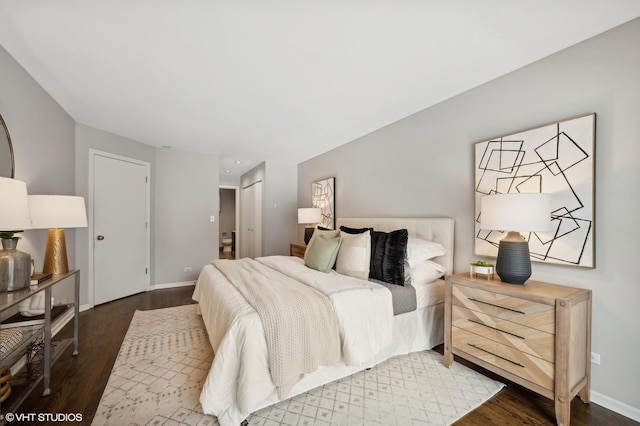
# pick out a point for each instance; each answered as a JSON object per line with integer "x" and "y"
{"x": 229, "y": 214}
{"x": 119, "y": 235}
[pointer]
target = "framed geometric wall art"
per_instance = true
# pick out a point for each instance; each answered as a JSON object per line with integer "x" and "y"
{"x": 557, "y": 158}
{"x": 323, "y": 197}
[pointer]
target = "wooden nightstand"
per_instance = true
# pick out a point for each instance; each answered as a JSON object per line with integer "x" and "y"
{"x": 537, "y": 334}
{"x": 298, "y": 249}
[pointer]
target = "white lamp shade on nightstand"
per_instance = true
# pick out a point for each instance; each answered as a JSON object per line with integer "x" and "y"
{"x": 516, "y": 212}
{"x": 513, "y": 213}
{"x": 309, "y": 215}
{"x": 56, "y": 212}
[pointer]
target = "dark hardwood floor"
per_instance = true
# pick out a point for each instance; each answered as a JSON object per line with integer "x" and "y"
{"x": 77, "y": 382}
{"x": 515, "y": 405}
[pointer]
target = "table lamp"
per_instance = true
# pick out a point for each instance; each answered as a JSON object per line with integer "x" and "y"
{"x": 310, "y": 217}
{"x": 57, "y": 212}
{"x": 513, "y": 213}
{"x": 15, "y": 265}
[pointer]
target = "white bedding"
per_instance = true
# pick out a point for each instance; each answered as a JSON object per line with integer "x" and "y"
{"x": 364, "y": 309}
{"x": 239, "y": 382}
{"x": 429, "y": 294}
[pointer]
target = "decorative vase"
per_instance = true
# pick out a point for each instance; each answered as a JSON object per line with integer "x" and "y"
{"x": 15, "y": 266}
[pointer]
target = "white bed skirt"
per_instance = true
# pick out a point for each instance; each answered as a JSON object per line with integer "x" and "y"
{"x": 414, "y": 331}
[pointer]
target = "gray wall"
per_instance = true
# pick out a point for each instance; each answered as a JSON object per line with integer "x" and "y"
{"x": 183, "y": 197}
{"x": 42, "y": 134}
{"x": 229, "y": 180}
{"x": 186, "y": 197}
{"x": 87, "y": 138}
{"x": 52, "y": 157}
{"x": 423, "y": 166}
{"x": 279, "y": 208}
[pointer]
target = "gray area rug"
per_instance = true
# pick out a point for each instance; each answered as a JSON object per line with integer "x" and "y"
{"x": 166, "y": 355}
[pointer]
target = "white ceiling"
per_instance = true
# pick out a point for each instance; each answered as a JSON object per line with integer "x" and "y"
{"x": 283, "y": 80}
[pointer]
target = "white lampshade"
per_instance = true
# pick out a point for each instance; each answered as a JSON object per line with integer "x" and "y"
{"x": 309, "y": 215}
{"x": 14, "y": 214}
{"x": 516, "y": 212}
{"x": 57, "y": 211}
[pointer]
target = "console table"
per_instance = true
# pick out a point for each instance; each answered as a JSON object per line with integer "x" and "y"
{"x": 51, "y": 351}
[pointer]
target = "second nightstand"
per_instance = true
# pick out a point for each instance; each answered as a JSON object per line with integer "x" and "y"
{"x": 537, "y": 334}
{"x": 298, "y": 249}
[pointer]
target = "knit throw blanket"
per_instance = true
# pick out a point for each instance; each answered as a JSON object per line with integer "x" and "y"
{"x": 300, "y": 325}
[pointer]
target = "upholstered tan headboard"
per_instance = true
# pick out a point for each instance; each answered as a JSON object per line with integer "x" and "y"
{"x": 438, "y": 229}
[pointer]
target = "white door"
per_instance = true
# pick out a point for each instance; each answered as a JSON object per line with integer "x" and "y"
{"x": 252, "y": 220}
{"x": 246, "y": 234}
{"x": 120, "y": 215}
{"x": 257, "y": 219}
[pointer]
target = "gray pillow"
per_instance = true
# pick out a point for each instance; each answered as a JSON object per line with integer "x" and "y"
{"x": 321, "y": 253}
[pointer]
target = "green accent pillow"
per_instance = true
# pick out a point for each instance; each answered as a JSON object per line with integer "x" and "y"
{"x": 322, "y": 254}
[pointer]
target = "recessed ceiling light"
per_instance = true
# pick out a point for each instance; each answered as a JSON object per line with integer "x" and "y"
{"x": 238, "y": 162}
{"x": 227, "y": 171}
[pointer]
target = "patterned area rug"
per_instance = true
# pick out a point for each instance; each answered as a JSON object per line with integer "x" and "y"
{"x": 166, "y": 355}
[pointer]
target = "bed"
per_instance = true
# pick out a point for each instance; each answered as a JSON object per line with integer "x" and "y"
{"x": 239, "y": 381}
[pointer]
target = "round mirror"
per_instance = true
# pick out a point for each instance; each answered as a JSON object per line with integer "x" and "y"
{"x": 6, "y": 152}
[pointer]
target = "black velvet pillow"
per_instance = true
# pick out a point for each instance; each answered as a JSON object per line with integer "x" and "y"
{"x": 388, "y": 255}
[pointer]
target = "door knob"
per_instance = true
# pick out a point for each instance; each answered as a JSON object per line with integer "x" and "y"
{"x": 100, "y": 237}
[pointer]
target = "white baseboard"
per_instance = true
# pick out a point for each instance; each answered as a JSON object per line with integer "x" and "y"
{"x": 614, "y": 405}
{"x": 171, "y": 285}
{"x": 61, "y": 321}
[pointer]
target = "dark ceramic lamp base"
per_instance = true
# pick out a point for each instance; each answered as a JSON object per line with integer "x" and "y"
{"x": 513, "y": 265}
{"x": 308, "y": 233}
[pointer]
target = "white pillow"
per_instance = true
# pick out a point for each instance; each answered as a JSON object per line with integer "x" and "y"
{"x": 426, "y": 272}
{"x": 354, "y": 256}
{"x": 419, "y": 250}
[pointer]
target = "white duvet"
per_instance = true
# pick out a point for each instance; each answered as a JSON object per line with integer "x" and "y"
{"x": 239, "y": 382}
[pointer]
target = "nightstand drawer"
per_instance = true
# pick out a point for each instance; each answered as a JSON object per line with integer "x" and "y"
{"x": 521, "y": 311}
{"x": 523, "y": 365}
{"x": 526, "y": 339}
